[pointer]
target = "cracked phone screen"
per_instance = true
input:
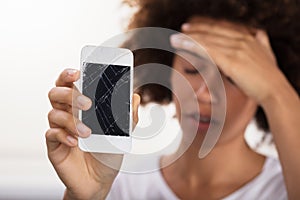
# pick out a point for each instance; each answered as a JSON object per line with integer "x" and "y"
{"x": 108, "y": 86}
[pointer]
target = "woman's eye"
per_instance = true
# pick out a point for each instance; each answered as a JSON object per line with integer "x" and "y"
{"x": 191, "y": 71}
{"x": 228, "y": 79}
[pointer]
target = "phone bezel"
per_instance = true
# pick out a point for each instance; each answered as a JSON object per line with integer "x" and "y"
{"x": 105, "y": 55}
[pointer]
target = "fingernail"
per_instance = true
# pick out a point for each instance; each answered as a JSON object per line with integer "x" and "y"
{"x": 83, "y": 130}
{"x": 185, "y": 26}
{"x": 71, "y": 72}
{"x": 83, "y": 101}
{"x": 175, "y": 39}
{"x": 188, "y": 44}
{"x": 71, "y": 139}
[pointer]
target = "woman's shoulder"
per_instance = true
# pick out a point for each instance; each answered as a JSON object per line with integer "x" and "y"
{"x": 271, "y": 175}
{"x": 268, "y": 185}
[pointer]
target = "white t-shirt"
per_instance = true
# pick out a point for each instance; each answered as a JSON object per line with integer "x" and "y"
{"x": 268, "y": 185}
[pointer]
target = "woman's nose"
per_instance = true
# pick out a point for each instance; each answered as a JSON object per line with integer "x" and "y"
{"x": 203, "y": 94}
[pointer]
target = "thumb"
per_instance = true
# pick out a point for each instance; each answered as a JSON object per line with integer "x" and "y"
{"x": 263, "y": 38}
{"x": 136, "y": 99}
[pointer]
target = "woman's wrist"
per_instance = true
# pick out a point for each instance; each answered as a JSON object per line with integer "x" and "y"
{"x": 100, "y": 195}
{"x": 280, "y": 94}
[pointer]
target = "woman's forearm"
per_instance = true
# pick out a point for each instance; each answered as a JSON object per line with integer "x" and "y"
{"x": 283, "y": 114}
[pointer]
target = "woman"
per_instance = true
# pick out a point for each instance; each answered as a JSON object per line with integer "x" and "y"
{"x": 256, "y": 47}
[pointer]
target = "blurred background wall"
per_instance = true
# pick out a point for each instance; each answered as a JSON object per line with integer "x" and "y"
{"x": 38, "y": 39}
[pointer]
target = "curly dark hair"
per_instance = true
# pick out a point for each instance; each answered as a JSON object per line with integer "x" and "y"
{"x": 279, "y": 18}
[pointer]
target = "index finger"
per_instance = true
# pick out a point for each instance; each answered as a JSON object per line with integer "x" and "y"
{"x": 67, "y": 77}
{"x": 221, "y": 28}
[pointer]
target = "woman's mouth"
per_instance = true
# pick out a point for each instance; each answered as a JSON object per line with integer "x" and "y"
{"x": 202, "y": 122}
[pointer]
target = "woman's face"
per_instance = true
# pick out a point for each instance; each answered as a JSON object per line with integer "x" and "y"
{"x": 194, "y": 110}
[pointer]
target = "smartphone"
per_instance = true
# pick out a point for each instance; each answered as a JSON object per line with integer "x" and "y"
{"x": 107, "y": 79}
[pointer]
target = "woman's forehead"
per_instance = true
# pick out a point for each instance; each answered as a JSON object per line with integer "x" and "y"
{"x": 208, "y": 20}
{"x": 190, "y": 59}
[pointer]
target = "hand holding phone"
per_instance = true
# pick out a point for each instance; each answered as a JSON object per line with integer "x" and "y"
{"x": 70, "y": 163}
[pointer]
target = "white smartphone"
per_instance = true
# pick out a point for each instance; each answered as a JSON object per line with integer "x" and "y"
{"x": 107, "y": 79}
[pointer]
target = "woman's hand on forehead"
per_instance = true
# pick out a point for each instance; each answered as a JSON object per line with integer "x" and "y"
{"x": 242, "y": 54}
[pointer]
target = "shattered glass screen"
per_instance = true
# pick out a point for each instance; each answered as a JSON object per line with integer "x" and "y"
{"x": 108, "y": 86}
